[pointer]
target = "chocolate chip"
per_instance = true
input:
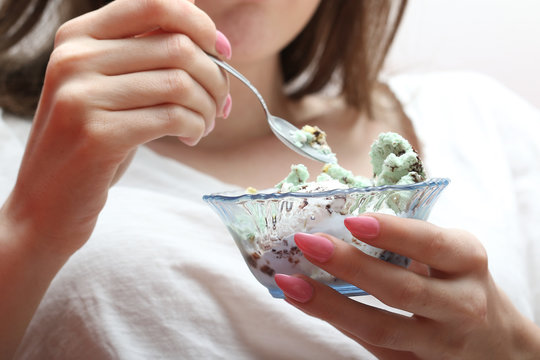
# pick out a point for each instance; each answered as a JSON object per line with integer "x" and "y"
{"x": 252, "y": 260}
{"x": 267, "y": 270}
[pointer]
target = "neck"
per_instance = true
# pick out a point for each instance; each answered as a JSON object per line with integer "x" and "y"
{"x": 247, "y": 119}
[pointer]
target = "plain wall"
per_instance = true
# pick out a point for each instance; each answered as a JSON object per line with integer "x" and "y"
{"x": 500, "y": 38}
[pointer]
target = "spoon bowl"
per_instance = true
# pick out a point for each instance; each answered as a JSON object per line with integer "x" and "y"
{"x": 281, "y": 128}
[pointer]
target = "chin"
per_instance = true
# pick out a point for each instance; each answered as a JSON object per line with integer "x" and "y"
{"x": 258, "y": 29}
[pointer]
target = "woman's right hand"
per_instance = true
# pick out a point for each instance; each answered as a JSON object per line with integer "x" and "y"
{"x": 120, "y": 76}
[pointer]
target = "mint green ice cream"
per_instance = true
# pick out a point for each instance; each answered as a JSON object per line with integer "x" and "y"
{"x": 334, "y": 171}
{"x": 313, "y": 137}
{"x": 297, "y": 177}
{"x": 393, "y": 159}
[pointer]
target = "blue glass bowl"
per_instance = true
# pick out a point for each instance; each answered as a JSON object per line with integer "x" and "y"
{"x": 263, "y": 225}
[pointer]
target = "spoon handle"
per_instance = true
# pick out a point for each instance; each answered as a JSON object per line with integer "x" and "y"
{"x": 240, "y": 77}
{"x": 283, "y": 129}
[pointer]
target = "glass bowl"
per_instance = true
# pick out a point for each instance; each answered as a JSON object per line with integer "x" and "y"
{"x": 263, "y": 225}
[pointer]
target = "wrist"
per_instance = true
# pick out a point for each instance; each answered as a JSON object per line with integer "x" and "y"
{"x": 41, "y": 228}
{"x": 25, "y": 275}
{"x": 19, "y": 238}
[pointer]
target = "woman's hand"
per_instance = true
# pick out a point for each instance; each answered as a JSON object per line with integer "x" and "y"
{"x": 123, "y": 75}
{"x": 457, "y": 310}
{"x": 118, "y": 77}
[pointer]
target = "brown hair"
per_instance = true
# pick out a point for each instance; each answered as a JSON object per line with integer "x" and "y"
{"x": 22, "y": 72}
{"x": 351, "y": 37}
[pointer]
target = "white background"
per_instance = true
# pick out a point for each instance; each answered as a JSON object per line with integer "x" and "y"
{"x": 500, "y": 38}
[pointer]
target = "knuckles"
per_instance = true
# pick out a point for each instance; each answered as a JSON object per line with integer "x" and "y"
{"x": 66, "y": 31}
{"x": 69, "y": 100}
{"x": 410, "y": 293}
{"x": 71, "y": 116}
{"x": 69, "y": 92}
{"x": 475, "y": 310}
{"x": 479, "y": 258}
{"x": 382, "y": 336}
{"x": 181, "y": 48}
{"x": 159, "y": 9}
{"x": 474, "y": 251}
{"x": 63, "y": 60}
{"x": 178, "y": 83}
{"x": 69, "y": 59}
{"x": 162, "y": 12}
{"x": 174, "y": 117}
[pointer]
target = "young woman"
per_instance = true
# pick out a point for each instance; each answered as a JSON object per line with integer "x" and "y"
{"x": 144, "y": 269}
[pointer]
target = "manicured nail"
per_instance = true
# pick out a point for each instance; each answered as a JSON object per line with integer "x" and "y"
{"x": 223, "y": 46}
{"x": 363, "y": 227}
{"x": 227, "y": 107}
{"x": 317, "y": 247}
{"x": 294, "y": 287}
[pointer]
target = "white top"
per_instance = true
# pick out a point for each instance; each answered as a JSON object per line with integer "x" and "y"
{"x": 161, "y": 278}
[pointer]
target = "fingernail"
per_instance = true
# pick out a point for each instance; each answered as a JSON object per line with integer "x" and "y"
{"x": 210, "y": 128}
{"x": 223, "y": 46}
{"x": 227, "y": 107}
{"x": 363, "y": 227}
{"x": 188, "y": 141}
{"x": 294, "y": 287}
{"x": 317, "y": 247}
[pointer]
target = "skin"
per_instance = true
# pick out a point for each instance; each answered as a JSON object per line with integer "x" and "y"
{"x": 135, "y": 73}
{"x": 449, "y": 271}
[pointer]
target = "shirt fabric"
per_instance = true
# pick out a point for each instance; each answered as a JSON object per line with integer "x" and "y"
{"x": 161, "y": 278}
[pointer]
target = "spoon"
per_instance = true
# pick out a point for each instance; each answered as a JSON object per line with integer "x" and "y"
{"x": 284, "y": 130}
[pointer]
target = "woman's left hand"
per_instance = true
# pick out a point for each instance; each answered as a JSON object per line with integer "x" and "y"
{"x": 457, "y": 309}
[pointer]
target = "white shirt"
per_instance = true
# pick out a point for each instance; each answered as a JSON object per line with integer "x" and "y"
{"x": 161, "y": 278}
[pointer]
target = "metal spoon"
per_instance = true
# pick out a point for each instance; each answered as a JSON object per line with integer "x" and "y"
{"x": 283, "y": 129}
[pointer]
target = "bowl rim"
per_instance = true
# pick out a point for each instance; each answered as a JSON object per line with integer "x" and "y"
{"x": 234, "y": 196}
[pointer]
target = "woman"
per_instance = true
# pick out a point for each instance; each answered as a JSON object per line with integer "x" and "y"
{"x": 145, "y": 270}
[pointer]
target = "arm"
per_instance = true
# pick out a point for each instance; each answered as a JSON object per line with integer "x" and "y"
{"x": 457, "y": 310}
{"x": 25, "y": 274}
{"x": 113, "y": 82}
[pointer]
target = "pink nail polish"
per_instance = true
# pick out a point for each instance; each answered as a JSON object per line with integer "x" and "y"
{"x": 294, "y": 287}
{"x": 223, "y": 46}
{"x": 363, "y": 227}
{"x": 317, "y": 247}
{"x": 227, "y": 107}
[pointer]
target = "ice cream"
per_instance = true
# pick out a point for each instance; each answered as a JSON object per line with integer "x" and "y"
{"x": 313, "y": 137}
{"x": 394, "y": 161}
{"x": 263, "y": 223}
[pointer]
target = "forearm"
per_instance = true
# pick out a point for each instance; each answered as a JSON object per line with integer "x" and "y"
{"x": 25, "y": 274}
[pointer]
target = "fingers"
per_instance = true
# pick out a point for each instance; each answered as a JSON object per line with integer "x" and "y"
{"x": 124, "y": 128}
{"x": 141, "y": 72}
{"x": 380, "y": 352}
{"x": 164, "y": 51}
{"x": 128, "y": 18}
{"x": 373, "y": 326}
{"x": 447, "y": 250}
{"x": 161, "y": 51}
{"x": 393, "y": 285}
{"x": 152, "y": 88}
